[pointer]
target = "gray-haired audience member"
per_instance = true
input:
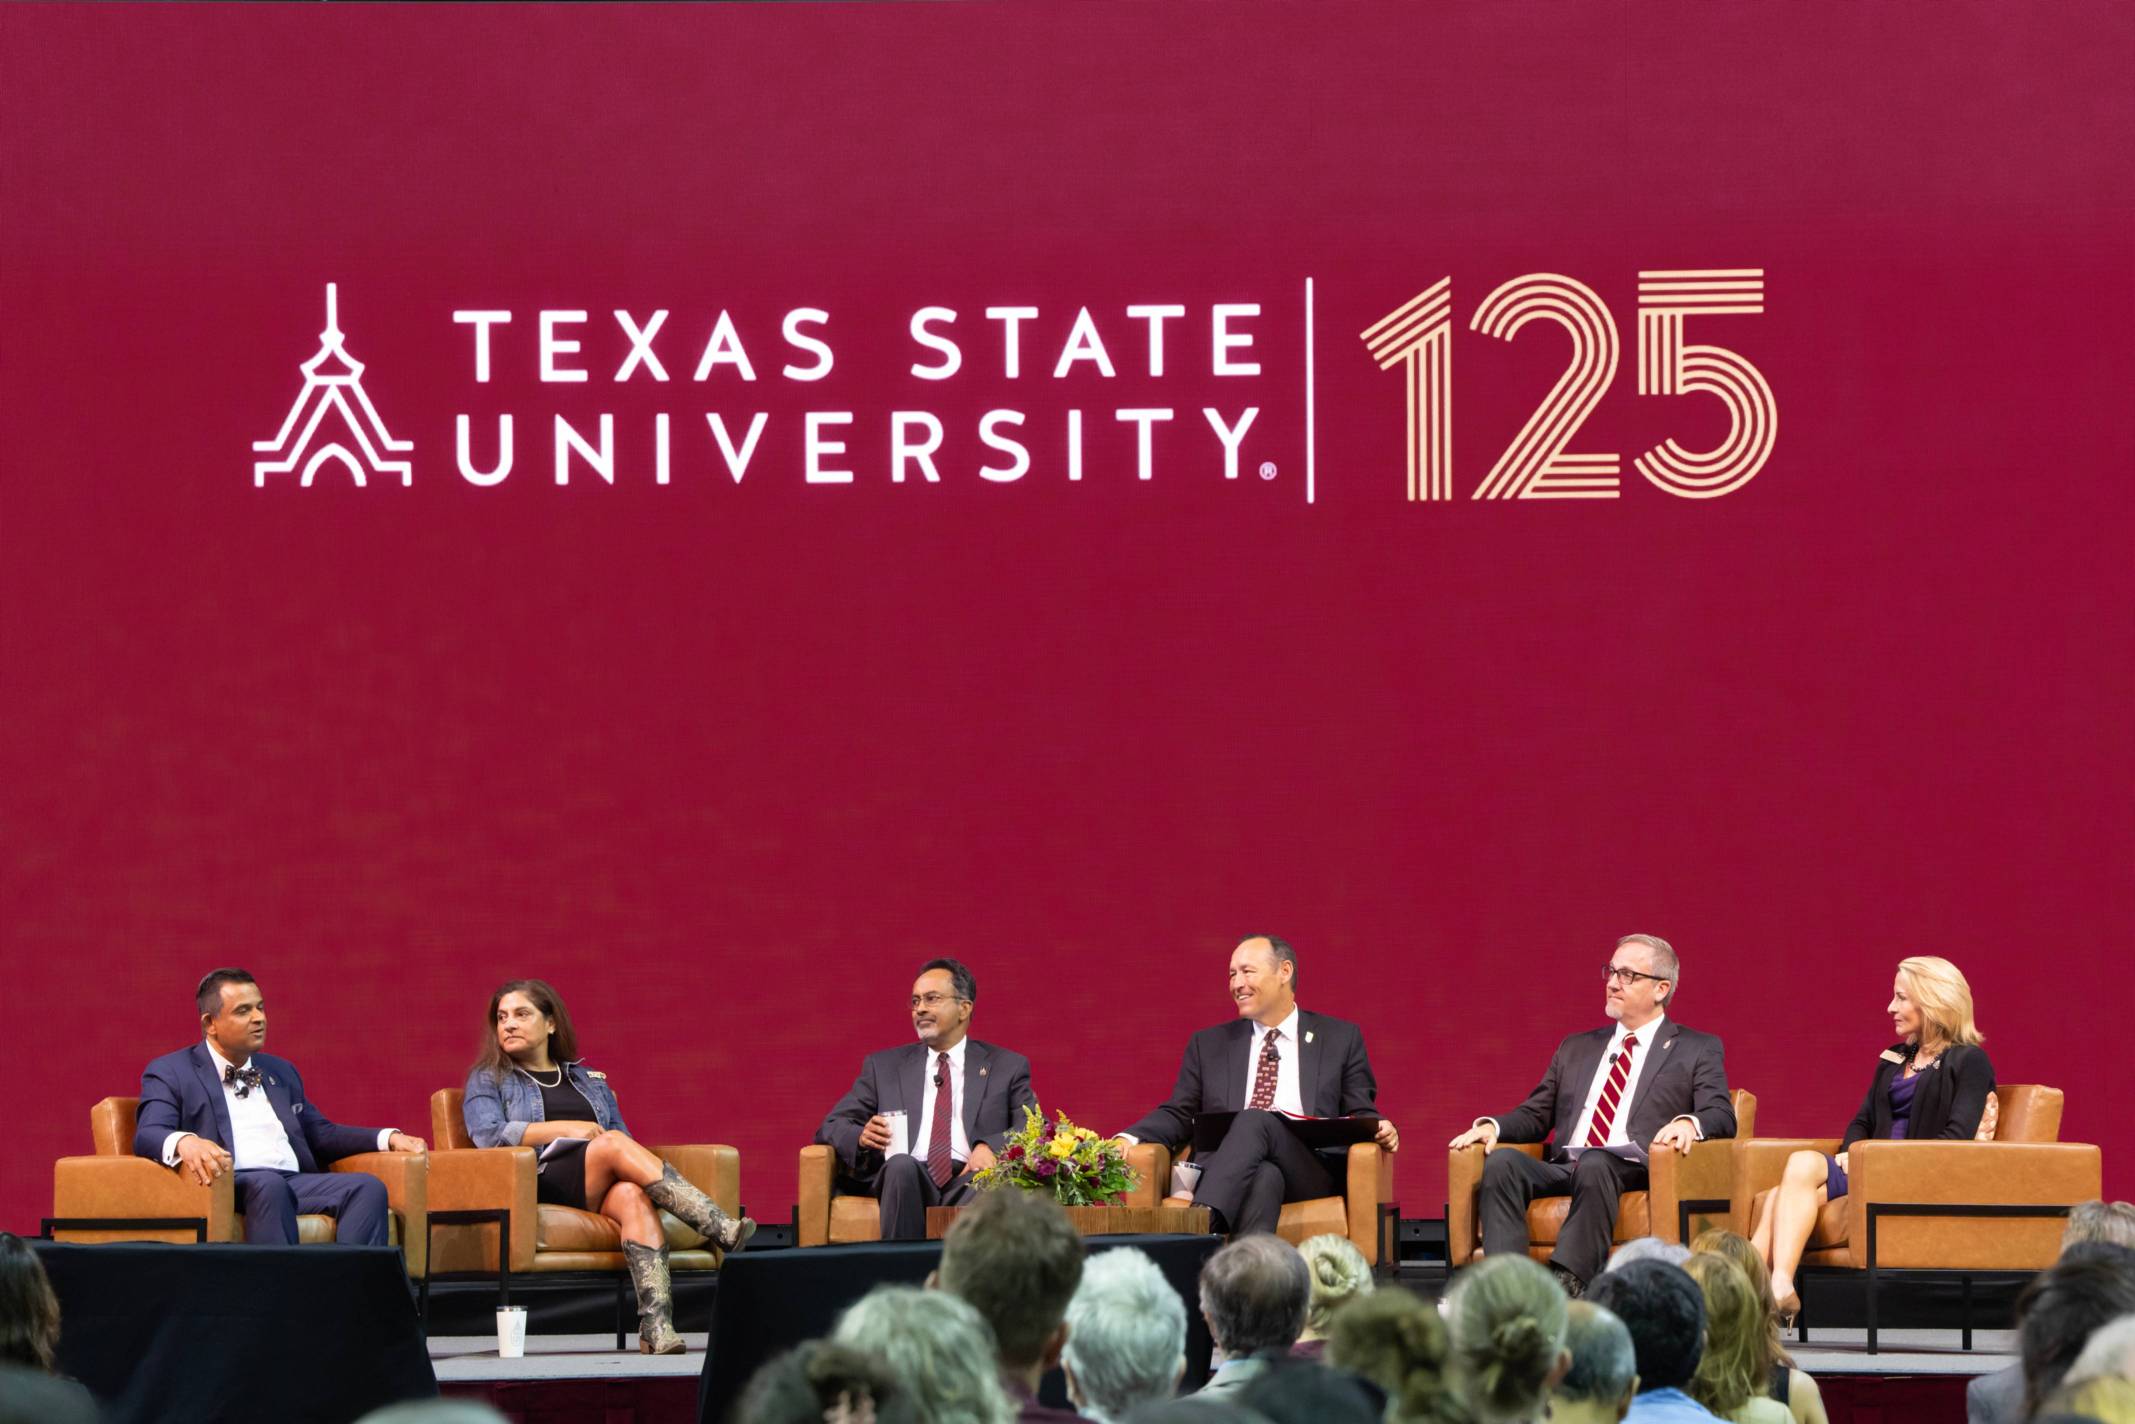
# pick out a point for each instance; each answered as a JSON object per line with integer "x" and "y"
{"x": 1399, "y": 1342}
{"x": 435, "y": 1411}
{"x": 939, "y": 1349}
{"x": 1599, "y": 1386}
{"x": 1664, "y": 1310}
{"x": 1340, "y": 1274}
{"x": 1017, "y": 1259}
{"x": 1998, "y": 1398}
{"x": 1126, "y": 1343}
{"x": 2110, "y": 1353}
{"x": 1648, "y": 1248}
{"x": 822, "y": 1380}
{"x": 1254, "y": 1295}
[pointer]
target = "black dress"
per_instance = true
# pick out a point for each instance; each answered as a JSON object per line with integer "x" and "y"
{"x": 561, "y": 1179}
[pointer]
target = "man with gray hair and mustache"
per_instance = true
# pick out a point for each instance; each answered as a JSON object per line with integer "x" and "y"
{"x": 1126, "y": 1343}
{"x": 1610, "y": 1096}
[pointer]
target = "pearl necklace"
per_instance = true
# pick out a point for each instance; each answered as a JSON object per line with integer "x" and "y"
{"x": 537, "y": 1082}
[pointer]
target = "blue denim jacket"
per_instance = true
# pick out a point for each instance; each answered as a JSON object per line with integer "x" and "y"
{"x": 498, "y": 1113}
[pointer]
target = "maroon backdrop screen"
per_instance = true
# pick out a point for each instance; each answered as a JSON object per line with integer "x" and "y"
{"x": 727, "y": 759}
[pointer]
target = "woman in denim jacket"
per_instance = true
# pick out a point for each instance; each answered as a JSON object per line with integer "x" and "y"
{"x": 530, "y": 1088}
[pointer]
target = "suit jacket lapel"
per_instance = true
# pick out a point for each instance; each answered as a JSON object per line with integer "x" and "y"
{"x": 204, "y": 1064}
{"x": 1580, "y": 1066}
{"x": 975, "y": 1056}
{"x": 1309, "y": 1053}
{"x": 911, "y": 1083}
{"x": 1237, "y": 1048}
{"x": 1656, "y": 1060}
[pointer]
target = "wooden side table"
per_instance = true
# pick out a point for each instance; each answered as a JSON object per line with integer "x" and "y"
{"x": 1105, "y": 1220}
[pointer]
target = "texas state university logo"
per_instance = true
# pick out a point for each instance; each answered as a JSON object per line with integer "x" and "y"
{"x": 324, "y": 425}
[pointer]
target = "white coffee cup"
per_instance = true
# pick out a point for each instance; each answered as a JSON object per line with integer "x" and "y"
{"x": 900, "y": 1128}
{"x": 511, "y": 1332}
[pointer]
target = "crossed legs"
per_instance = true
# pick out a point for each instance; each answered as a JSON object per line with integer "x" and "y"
{"x": 1782, "y": 1231}
{"x": 618, "y": 1169}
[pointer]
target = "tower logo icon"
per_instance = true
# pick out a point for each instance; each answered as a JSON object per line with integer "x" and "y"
{"x": 323, "y": 424}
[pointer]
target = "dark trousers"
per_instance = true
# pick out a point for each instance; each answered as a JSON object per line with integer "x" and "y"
{"x": 272, "y": 1201}
{"x": 905, "y": 1191}
{"x": 1260, "y": 1165}
{"x": 1513, "y": 1179}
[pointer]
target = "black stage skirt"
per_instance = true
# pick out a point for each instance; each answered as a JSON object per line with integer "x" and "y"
{"x": 561, "y": 1178}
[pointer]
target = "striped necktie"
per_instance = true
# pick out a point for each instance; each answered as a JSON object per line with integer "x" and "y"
{"x": 1597, "y": 1135}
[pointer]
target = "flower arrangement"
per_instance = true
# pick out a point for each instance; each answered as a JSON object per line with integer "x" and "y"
{"x": 1071, "y": 1164}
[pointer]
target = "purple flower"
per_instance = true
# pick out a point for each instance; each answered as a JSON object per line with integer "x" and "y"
{"x": 1047, "y": 1167}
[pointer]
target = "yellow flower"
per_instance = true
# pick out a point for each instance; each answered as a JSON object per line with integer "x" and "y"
{"x": 1063, "y": 1147}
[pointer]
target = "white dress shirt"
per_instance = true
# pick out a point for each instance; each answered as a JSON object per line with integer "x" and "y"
{"x": 959, "y": 1143}
{"x": 260, "y": 1142}
{"x": 1288, "y": 1097}
{"x": 1619, "y": 1129}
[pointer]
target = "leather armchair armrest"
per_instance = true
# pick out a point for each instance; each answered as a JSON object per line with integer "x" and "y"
{"x": 712, "y": 1167}
{"x": 482, "y": 1179}
{"x": 1151, "y": 1162}
{"x": 136, "y": 1187}
{"x": 407, "y": 1191}
{"x": 1705, "y": 1173}
{"x": 1370, "y": 1183}
{"x": 1966, "y": 1173}
{"x": 811, "y": 1212}
{"x": 1759, "y": 1164}
{"x": 1464, "y": 1179}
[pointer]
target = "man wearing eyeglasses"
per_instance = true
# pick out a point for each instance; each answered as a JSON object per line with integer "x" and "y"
{"x": 923, "y": 1119}
{"x": 1611, "y": 1096}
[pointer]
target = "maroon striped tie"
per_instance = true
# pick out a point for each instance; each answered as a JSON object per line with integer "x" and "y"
{"x": 1597, "y": 1134}
{"x": 1264, "y": 1077}
{"x": 939, "y": 1163}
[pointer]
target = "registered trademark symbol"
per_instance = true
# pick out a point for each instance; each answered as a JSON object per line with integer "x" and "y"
{"x": 1267, "y": 470}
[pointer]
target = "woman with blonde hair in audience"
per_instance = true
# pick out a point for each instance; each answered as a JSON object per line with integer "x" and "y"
{"x": 1398, "y": 1341}
{"x": 1508, "y": 1318}
{"x": 1790, "y": 1384}
{"x": 1340, "y": 1274}
{"x": 1731, "y": 1379}
{"x": 1934, "y": 1082}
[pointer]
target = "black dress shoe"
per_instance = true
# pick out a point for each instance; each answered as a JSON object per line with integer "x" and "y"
{"x": 1573, "y": 1286}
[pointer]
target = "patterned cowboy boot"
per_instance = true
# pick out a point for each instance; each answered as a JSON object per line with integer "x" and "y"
{"x": 656, "y": 1300}
{"x": 681, "y": 1199}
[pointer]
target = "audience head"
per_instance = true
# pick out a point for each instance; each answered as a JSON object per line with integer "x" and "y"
{"x": 2110, "y": 1222}
{"x": 1665, "y": 1313}
{"x": 1254, "y": 1295}
{"x": 937, "y": 1347}
{"x": 434, "y": 1411}
{"x": 1744, "y": 1253}
{"x": 1732, "y": 1370}
{"x": 232, "y": 1015}
{"x": 1931, "y": 1004}
{"x": 822, "y": 1380}
{"x": 1295, "y": 1392}
{"x": 1508, "y": 1321}
{"x": 29, "y": 1310}
{"x": 2109, "y": 1353}
{"x": 1340, "y": 1274}
{"x": 527, "y": 1020}
{"x": 1648, "y": 1248}
{"x": 1126, "y": 1342}
{"x": 1598, "y": 1387}
{"x": 1398, "y": 1341}
{"x": 1016, "y": 1258}
{"x": 2089, "y": 1286}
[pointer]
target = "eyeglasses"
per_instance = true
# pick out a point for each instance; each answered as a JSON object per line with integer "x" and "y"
{"x": 935, "y": 1001}
{"x": 1628, "y": 977}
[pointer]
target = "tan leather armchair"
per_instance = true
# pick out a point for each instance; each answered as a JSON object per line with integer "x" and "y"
{"x": 116, "y": 1185}
{"x": 1703, "y": 1178}
{"x": 549, "y": 1239}
{"x": 822, "y": 1217}
{"x": 1938, "y": 1205}
{"x": 1365, "y": 1212}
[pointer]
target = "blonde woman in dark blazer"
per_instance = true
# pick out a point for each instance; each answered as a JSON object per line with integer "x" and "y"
{"x": 1935, "y": 1082}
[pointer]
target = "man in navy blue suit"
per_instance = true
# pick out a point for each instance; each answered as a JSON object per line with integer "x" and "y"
{"x": 224, "y": 1106}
